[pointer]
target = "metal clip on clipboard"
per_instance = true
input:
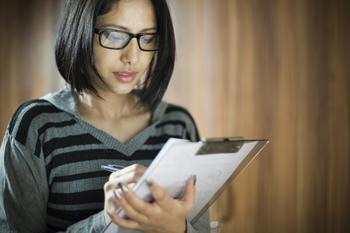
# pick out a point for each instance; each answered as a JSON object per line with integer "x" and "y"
{"x": 220, "y": 145}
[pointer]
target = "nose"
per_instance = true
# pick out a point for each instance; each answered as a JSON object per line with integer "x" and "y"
{"x": 131, "y": 52}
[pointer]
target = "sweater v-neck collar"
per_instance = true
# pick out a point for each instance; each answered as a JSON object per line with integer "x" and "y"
{"x": 65, "y": 101}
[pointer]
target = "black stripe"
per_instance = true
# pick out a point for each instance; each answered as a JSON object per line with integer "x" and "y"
{"x": 84, "y": 155}
{"x": 48, "y": 126}
{"x": 80, "y": 176}
{"x": 37, "y": 148}
{"x": 74, "y": 140}
{"x": 173, "y": 108}
{"x": 28, "y": 117}
{"x": 72, "y": 215}
{"x": 48, "y": 170}
{"x": 19, "y": 110}
{"x": 55, "y": 125}
{"x": 53, "y": 229}
{"x": 95, "y": 154}
{"x": 91, "y": 196}
{"x": 172, "y": 122}
{"x": 160, "y": 139}
{"x": 188, "y": 136}
{"x": 145, "y": 154}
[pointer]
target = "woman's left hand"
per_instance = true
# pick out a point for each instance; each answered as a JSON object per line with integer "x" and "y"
{"x": 164, "y": 214}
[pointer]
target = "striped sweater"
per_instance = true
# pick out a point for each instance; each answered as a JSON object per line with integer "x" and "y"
{"x": 50, "y": 164}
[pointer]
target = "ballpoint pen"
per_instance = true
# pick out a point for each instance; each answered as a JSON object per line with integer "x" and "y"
{"x": 112, "y": 167}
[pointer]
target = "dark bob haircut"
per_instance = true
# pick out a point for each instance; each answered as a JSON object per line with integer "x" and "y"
{"x": 74, "y": 48}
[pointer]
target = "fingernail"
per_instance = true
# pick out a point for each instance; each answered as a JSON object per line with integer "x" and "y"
{"x": 116, "y": 194}
{"x": 194, "y": 180}
{"x": 149, "y": 183}
{"x": 122, "y": 187}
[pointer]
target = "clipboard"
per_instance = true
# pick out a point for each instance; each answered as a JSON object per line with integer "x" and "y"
{"x": 215, "y": 162}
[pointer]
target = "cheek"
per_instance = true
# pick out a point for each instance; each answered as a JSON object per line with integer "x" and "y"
{"x": 102, "y": 59}
{"x": 146, "y": 60}
{"x": 97, "y": 55}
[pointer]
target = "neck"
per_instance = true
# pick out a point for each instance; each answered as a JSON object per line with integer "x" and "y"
{"x": 110, "y": 106}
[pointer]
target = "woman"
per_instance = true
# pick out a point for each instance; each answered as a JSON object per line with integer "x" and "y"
{"x": 117, "y": 58}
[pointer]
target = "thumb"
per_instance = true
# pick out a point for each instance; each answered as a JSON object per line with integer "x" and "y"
{"x": 190, "y": 193}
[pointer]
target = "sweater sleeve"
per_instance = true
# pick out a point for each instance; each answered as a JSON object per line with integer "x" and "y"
{"x": 200, "y": 226}
{"x": 24, "y": 192}
{"x": 23, "y": 189}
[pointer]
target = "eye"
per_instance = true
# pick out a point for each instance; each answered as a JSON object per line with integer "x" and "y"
{"x": 116, "y": 37}
{"x": 147, "y": 39}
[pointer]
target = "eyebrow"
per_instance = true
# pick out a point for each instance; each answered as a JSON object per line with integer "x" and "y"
{"x": 125, "y": 28}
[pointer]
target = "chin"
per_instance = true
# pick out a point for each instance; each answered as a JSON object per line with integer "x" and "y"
{"x": 122, "y": 91}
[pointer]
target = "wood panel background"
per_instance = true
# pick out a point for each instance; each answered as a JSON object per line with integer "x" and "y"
{"x": 277, "y": 69}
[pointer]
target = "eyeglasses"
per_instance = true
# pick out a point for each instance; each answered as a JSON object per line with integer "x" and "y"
{"x": 115, "y": 39}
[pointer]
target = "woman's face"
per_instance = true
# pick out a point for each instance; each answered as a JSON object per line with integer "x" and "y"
{"x": 122, "y": 69}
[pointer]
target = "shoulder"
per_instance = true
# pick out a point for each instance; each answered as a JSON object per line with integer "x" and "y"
{"x": 177, "y": 110}
{"x": 29, "y": 117}
{"x": 178, "y": 116}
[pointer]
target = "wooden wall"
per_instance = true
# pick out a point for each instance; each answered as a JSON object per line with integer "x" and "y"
{"x": 27, "y": 65}
{"x": 275, "y": 69}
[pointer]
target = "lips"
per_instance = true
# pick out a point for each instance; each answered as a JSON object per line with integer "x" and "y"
{"x": 125, "y": 76}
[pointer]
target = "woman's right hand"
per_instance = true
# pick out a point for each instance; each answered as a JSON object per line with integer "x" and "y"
{"x": 128, "y": 176}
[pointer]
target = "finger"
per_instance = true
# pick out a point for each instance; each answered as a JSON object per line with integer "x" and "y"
{"x": 109, "y": 185}
{"x": 122, "y": 222}
{"x": 131, "y": 185}
{"x": 126, "y": 178}
{"x": 137, "y": 203}
{"x": 112, "y": 189}
{"x": 160, "y": 196}
{"x": 129, "y": 174}
{"x": 111, "y": 204}
{"x": 113, "y": 185}
{"x": 189, "y": 195}
{"x": 130, "y": 211}
{"x": 112, "y": 195}
{"x": 135, "y": 168}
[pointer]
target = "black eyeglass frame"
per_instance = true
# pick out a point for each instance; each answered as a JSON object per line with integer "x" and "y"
{"x": 131, "y": 36}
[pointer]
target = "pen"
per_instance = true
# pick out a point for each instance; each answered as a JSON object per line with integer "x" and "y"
{"x": 112, "y": 167}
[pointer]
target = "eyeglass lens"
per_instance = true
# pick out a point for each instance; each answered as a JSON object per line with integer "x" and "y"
{"x": 117, "y": 40}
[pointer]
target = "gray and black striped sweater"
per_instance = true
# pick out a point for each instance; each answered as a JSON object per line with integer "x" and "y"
{"x": 50, "y": 164}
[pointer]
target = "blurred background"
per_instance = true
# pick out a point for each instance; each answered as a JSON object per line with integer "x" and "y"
{"x": 277, "y": 69}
